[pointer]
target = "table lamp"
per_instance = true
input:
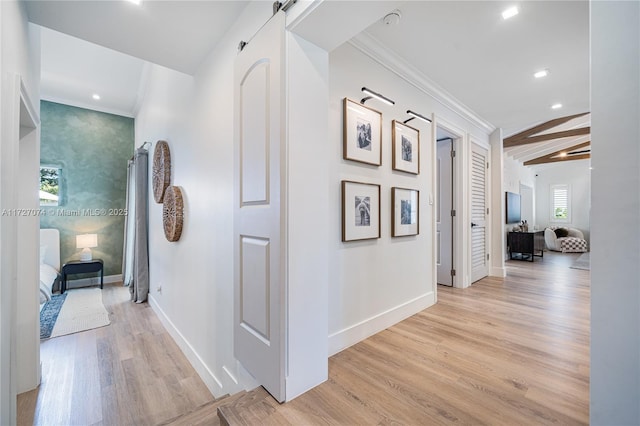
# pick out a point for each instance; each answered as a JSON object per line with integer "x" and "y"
{"x": 85, "y": 242}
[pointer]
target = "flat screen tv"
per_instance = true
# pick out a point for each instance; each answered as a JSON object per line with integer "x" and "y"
{"x": 512, "y": 203}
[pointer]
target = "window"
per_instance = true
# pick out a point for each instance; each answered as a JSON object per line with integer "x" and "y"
{"x": 560, "y": 203}
{"x": 49, "y": 186}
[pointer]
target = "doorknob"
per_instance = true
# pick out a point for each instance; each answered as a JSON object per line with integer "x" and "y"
{"x": 473, "y": 224}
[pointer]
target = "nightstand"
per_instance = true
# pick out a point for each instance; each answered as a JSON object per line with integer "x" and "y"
{"x": 81, "y": 267}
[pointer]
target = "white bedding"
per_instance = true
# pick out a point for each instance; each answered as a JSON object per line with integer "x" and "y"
{"x": 49, "y": 261}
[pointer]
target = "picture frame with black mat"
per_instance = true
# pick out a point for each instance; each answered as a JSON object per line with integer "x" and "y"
{"x": 360, "y": 211}
{"x": 362, "y": 133}
{"x": 405, "y": 217}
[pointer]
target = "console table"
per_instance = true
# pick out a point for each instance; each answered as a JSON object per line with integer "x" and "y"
{"x": 81, "y": 267}
{"x": 525, "y": 245}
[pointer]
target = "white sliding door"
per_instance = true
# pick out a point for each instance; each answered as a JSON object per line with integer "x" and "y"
{"x": 259, "y": 288}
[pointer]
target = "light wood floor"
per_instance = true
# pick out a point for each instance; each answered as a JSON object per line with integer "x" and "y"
{"x": 513, "y": 351}
{"x": 128, "y": 373}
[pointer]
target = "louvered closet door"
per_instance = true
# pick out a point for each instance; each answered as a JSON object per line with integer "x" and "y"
{"x": 479, "y": 237}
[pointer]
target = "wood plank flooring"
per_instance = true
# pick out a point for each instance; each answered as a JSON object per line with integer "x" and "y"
{"x": 512, "y": 351}
{"x": 128, "y": 373}
{"x": 502, "y": 352}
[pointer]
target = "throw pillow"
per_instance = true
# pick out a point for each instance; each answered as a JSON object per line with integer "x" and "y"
{"x": 561, "y": 232}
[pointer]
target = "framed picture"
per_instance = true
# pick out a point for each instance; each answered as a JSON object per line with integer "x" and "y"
{"x": 360, "y": 211}
{"x": 406, "y": 148}
{"x": 362, "y": 133}
{"x": 405, "y": 215}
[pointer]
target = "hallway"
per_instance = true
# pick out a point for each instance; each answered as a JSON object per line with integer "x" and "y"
{"x": 513, "y": 351}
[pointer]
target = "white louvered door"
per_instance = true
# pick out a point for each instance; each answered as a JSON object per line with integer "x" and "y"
{"x": 479, "y": 237}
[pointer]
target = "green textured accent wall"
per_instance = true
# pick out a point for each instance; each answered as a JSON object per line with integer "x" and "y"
{"x": 92, "y": 149}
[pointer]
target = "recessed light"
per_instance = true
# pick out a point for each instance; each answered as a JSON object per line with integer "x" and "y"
{"x": 510, "y": 13}
{"x": 136, "y": 2}
{"x": 541, "y": 73}
{"x": 96, "y": 96}
{"x": 563, "y": 154}
{"x": 556, "y": 106}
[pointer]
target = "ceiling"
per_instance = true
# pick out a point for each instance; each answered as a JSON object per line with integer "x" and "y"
{"x": 467, "y": 48}
{"x": 175, "y": 34}
{"x": 73, "y": 70}
{"x": 488, "y": 63}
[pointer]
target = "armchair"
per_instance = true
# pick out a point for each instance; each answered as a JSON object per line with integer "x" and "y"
{"x": 574, "y": 242}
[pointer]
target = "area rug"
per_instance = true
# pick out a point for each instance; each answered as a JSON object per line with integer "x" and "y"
{"x": 81, "y": 309}
{"x": 49, "y": 314}
{"x": 583, "y": 262}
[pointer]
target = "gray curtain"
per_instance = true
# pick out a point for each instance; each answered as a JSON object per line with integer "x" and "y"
{"x": 135, "y": 262}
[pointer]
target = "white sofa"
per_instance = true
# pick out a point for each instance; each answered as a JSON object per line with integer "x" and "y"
{"x": 573, "y": 243}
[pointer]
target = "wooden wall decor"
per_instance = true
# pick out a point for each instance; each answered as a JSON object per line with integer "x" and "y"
{"x": 172, "y": 213}
{"x": 161, "y": 170}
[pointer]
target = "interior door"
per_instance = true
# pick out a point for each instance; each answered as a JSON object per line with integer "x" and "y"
{"x": 259, "y": 277}
{"x": 479, "y": 240}
{"x": 444, "y": 219}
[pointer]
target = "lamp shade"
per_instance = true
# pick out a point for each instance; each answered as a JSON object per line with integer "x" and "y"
{"x": 86, "y": 240}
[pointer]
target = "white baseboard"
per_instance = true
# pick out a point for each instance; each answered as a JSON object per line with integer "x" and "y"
{"x": 210, "y": 380}
{"x": 498, "y": 271}
{"x": 86, "y": 282}
{"x": 351, "y": 335}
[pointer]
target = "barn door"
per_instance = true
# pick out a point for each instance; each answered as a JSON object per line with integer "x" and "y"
{"x": 259, "y": 274}
{"x": 479, "y": 250}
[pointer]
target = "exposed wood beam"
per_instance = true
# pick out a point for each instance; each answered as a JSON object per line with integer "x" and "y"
{"x": 558, "y": 159}
{"x": 542, "y": 127}
{"x": 553, "y": 157}
{"x": 548, "y": 136}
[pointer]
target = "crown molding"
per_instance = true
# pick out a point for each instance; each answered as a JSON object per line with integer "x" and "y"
{"x": 373, "y": 48}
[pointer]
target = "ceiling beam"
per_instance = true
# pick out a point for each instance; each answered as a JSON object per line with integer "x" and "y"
{"x": 558, "y": 159}
{"x": 548, "y": 136}
{"x": 553, "y": 157}
{"x": 542, "y": 127}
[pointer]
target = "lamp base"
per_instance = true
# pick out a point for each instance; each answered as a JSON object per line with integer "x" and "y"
{"x": 85, "y": 254}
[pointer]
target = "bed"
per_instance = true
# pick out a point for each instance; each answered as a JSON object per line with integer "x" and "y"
{"x": 49, "y": 262}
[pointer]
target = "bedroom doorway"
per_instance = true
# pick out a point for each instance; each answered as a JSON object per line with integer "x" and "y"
{"x": 444, "y": 211}
{"x": 27, "y": 350}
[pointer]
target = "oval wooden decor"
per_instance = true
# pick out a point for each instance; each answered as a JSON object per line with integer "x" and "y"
{"x": 161, "y": 170}
{"x": 172, "y": 213}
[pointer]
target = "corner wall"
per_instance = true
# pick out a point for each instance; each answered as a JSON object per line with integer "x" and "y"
{"x": 615, "y": 235}
{"x": 19, "y": 56}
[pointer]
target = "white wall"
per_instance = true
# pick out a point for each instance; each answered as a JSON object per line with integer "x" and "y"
{"x": 578, "y": 176}
{"x": 375, "y": 283}
{"x": 498, "y": 236}
{"x": 195, "y": 274}
{"x": 514, "y": 174}
{"x": 615, "y": 236}
{"x": 307, "y": 218}
{"x": 191, "y": 281}
{"x": 19, "y": 53}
